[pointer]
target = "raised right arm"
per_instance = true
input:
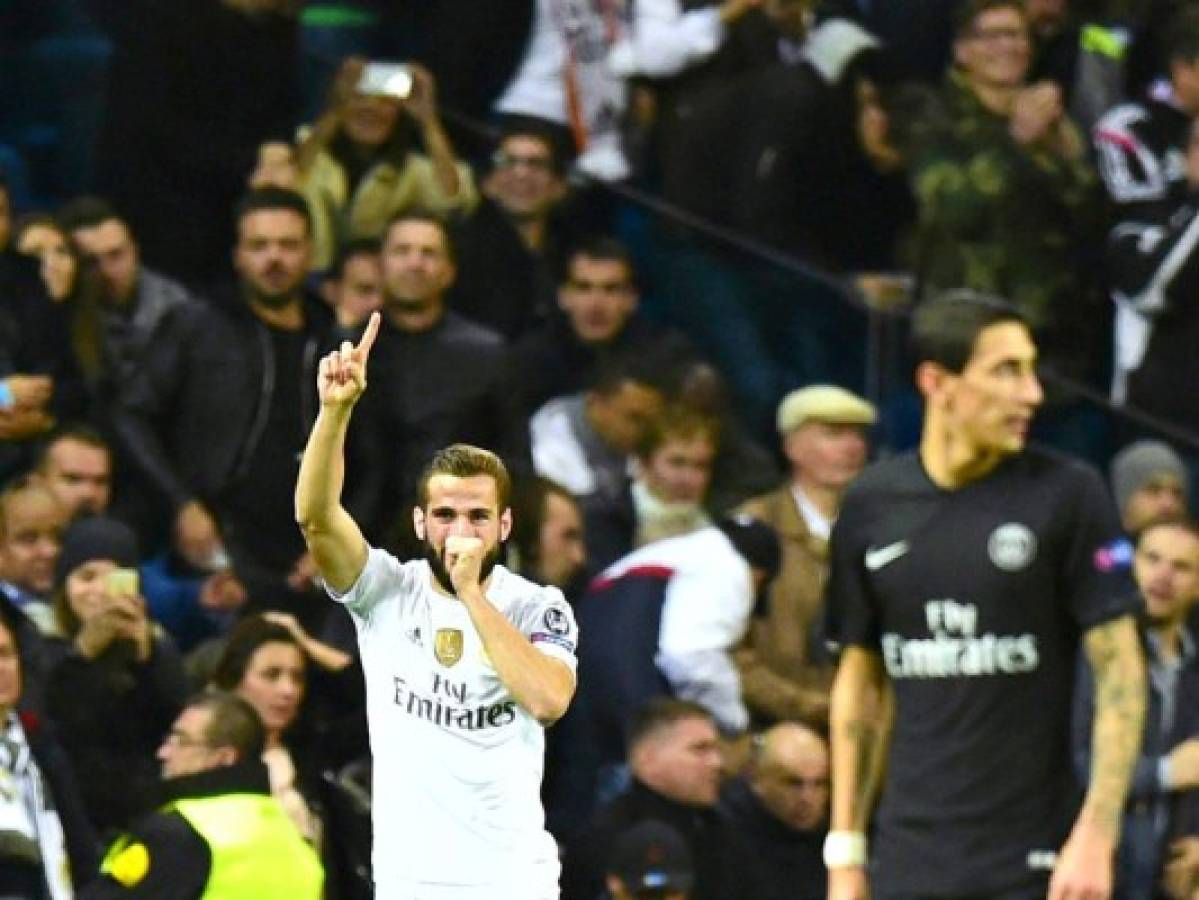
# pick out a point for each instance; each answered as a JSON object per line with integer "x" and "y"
{"x": 332, "y": 536}
{"x": 860, "y": 716}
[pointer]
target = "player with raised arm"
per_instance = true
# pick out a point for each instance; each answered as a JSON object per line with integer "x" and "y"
{"x": 465, "y": 663}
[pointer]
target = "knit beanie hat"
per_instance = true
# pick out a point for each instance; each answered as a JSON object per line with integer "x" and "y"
{"x": 96, "y": 537}
{"x": 1138, "y": 463}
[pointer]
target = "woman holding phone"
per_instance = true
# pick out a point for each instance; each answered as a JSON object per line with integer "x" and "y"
{"x": 116, "y": 681}
{"x": 378, "y": 149}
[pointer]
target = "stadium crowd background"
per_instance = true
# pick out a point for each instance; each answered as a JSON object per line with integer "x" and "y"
{"x": 611, "y": 240}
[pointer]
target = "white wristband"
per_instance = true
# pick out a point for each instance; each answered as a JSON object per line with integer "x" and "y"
{"x": 844, "y": 849}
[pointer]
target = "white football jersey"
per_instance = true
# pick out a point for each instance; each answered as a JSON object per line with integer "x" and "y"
{"x": 457, "y": 763}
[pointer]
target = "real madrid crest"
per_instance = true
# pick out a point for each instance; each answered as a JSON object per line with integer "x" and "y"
{"x": 447, "y": 646}
{"x": 1012, "y": 547}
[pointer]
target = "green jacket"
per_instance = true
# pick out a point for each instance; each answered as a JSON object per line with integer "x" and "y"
{"x": 222, "y": 837}
{"x": 1005, "y": 219}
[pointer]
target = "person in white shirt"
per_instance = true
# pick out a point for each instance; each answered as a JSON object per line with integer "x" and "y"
{"x": 581, "y": 54}
{"x": 465, "y": 664}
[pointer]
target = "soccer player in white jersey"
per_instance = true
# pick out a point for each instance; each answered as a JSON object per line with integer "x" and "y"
{"x": 465, "y": 664}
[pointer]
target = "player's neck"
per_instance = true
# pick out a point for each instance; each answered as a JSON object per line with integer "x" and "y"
{"x": 951, "y": 460}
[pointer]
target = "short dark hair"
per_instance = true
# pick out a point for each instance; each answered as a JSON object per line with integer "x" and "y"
{"x": 428, "y": 218}
{"x": 467, "y": 461}
{"x": 74, "y": 431}
{"x": 232, "y": 723}
{"x": 602, "y": 248}
{"x": 88, "y": 211}
{"x": 530, "y": 496}
{"x": 967, "y": 13}
{"x": 679, "y": 422}
{"x": 622, "y": 368}
{"x": 244, "y": 641}
{"x": 352, "y": 250}
{"x": 1182, "y": 40}
{"x": 530, "y": 129}
{"x": 660, "y": 713}
{"x": 945, "y": 329}
{"x": 273, "y": 199}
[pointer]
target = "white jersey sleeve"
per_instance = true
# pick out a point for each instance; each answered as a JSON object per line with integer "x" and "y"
{"x": 382, "y": 577}
{"x": 546, "y": 619}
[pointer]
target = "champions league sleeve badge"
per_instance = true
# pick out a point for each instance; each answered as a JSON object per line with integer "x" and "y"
{"x": 1116, "y": 555}
{"x": 556, "y": 629}
{"x": 556, "y": 621}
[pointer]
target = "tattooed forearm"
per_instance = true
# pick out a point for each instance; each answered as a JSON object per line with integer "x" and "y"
{"x": 1120, "y": 696}
{"x": 863, "y": 736}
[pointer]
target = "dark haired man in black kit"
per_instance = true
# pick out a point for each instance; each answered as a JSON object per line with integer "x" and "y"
{"x": 964, "y": 576}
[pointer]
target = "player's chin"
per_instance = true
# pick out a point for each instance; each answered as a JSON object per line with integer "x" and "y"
{"x": 1015, "y": 443}
{"x": 1015, "y": 437}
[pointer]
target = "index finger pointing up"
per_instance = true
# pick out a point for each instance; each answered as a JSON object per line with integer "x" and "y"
{"x": 368, "y": 336}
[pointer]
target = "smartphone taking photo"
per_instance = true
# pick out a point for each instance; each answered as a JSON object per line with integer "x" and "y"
{"x": 122, "y": 583}
{"x": 386, "y": 80}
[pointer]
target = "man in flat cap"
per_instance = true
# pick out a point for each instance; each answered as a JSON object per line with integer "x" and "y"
{"x": 823, "y": 433}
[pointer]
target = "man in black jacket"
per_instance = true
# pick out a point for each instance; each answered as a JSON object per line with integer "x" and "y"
{"x": 509, "y": 248}
{"x": 674, "y": 757}
{"x": 597, "y": 321}
{"x": 780, "y": 808}
{"x": 226, "y": 401}
{"x": 436, "y": 379}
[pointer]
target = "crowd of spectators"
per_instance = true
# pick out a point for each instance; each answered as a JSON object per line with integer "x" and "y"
{"x": 683, "y": 415}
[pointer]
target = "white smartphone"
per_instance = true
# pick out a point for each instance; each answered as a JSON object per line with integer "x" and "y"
{"x": 386, "y": 80}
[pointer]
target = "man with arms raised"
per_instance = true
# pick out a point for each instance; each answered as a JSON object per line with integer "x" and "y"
{"x": 964, "y": 578}
{"x": 465, "y": 663}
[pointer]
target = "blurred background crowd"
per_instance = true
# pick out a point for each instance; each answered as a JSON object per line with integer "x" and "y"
{"x": 659, "y": 254}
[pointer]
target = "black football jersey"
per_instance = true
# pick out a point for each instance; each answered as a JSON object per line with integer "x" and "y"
{"x": 976, "y": 600}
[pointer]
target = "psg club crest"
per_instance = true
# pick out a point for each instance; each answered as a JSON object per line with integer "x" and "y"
{"x": 447, "y": 646}
{"x": 1012, "y": 547}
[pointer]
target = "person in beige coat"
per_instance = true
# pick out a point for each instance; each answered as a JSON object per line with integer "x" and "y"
{"x": 372, "y": 156}
{"x": 823, "y": 432}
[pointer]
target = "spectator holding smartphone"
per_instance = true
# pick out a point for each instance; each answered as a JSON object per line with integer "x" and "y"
{"x": 116, "y": 681}
{"x": 359, "y": 164}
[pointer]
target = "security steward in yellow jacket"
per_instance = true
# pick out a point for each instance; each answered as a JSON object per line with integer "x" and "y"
{"x": 220, "y": 834}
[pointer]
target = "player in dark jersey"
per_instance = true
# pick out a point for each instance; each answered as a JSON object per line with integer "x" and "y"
{"x": 964, "y": 578}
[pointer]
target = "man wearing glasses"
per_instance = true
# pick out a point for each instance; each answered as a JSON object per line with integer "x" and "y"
{"x": 510, "y": 246}
{"x": 221, "y": 833}
{"x": 1006, "y": 195}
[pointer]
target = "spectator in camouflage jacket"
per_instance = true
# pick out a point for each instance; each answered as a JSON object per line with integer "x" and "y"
{"x": 1006, "y": 195}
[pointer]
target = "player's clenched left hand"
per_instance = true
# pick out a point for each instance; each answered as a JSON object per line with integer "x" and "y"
{"x": 464, "y": 560}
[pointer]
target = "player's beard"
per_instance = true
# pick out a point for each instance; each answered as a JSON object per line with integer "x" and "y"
{"x": 436, "y": 561}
